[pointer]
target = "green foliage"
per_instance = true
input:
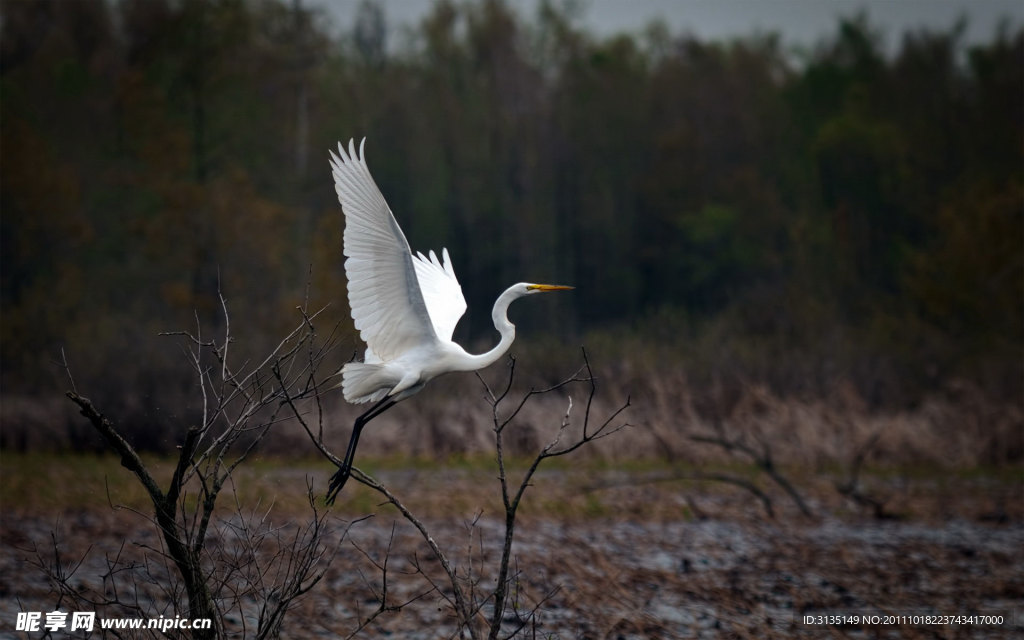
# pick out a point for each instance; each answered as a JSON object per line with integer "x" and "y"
{"x": 154, "y": 152}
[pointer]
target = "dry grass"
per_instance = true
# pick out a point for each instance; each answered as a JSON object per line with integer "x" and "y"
{"x": 956, "y": 427}
{"x": 956, "y": 424}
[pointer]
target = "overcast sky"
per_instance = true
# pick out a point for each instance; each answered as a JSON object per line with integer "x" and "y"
{"x": 801, "y": 22}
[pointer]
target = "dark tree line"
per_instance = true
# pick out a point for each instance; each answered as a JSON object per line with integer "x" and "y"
{"x": 840, "y": 201}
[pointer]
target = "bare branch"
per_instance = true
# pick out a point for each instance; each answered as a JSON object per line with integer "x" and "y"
{"x": 67, "y": 369}
{"x": 695, "y": 476}
{"x": 512, "y": 502}
{"x": 763, "y": 460}
{"x": 382, "y": 595}
{"x": 462, "y": 609}
{"x": 129, "y": 458}
{"x": 239, "y": 407}
{"x": 851, "y": 487}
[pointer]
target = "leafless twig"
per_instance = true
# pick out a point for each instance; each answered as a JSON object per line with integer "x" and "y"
{"x": 763, "y": 460}
{"x": 512, "y": 500}
{"x": 463, "y": 592}
{"x": 240, "y": 404}
{"x": 851, "y": 487}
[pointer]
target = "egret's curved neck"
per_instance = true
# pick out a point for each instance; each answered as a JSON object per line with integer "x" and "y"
{"x": 507, "y": 330}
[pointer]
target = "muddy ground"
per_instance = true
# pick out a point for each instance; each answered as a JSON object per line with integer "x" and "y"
{"x": 598, "y": 554}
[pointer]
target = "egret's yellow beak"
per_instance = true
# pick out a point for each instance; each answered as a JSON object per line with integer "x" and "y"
{"x": 549, "y": 287}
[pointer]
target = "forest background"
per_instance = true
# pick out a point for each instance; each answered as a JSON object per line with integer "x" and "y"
{"x": 821, "y": 224}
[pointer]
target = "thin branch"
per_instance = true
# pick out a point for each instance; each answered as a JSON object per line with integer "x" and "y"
{"x": 695, "y": 476}
{"x": 461, "y": 607}
{"x": 512, "y": 503}
{"x": 851, "y": 488}
{"x": 67, "y": 369}
{"x": 238, "y": 402}
{"x": 763, "y": 460}
{"x": 129, "y": 458}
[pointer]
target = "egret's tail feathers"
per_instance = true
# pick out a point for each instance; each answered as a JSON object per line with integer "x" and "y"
{"x": 364, "y": 382}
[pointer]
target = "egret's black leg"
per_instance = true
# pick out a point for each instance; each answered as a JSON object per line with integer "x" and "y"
{"x": 340, "y": 477}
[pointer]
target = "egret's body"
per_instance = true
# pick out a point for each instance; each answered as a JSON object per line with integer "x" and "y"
{"x": 405, "y": 306}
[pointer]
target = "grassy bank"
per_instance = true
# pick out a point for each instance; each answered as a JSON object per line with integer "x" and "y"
{"x": 464, "y": 485}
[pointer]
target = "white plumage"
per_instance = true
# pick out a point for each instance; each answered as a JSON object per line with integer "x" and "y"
{"x": 404, "y": 306}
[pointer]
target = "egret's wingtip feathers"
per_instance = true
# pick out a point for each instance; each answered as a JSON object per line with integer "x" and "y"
{"x": 349, "y": 155}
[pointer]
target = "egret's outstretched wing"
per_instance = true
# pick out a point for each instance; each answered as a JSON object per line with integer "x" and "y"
{"x": 441, "y": 292}
{"x": 383, "y": 290}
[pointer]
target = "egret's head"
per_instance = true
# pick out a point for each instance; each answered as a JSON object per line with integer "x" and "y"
{"x": 541, "y": 288}
{"x": 516, "y": 291}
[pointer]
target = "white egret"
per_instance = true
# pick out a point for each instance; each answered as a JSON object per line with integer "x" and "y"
{"x": 405, "y": 306}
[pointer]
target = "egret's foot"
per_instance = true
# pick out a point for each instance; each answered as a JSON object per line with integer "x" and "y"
{"x": 338, "y": 481}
